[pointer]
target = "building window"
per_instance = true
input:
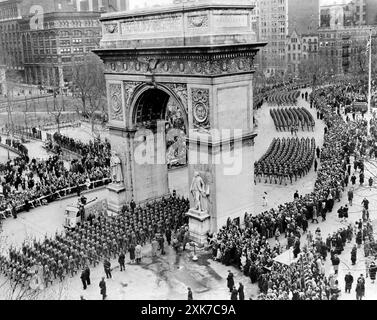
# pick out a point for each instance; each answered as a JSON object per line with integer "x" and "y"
{"x": 77, "y": 33}
{"x": 66, "y": 59}
{"x": 65, "y": 42}
{"x": 65, "y": 50}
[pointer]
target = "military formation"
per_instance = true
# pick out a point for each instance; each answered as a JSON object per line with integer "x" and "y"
{"x": 286, "y": 159}
{"x": 97, "y": 238}
{"x": 286, "y": 119}
{"x": 283, "y": 98}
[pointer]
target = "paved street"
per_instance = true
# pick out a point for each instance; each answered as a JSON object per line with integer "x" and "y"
{"x": 277, "y": 194}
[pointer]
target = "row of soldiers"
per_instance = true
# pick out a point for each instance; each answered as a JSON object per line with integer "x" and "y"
{"x": 285, "y": 159}
{"x": 286, "y": 118}
{"x": 97, "y": 238}
{"x": 283, "y": 97}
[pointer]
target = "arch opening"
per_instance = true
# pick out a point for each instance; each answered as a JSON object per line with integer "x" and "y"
{"x": 156, "y": 104}
{"x": 151, "y": 106}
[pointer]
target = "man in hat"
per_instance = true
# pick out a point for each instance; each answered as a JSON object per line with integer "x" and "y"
{"x": 241, "y": 294}
{"x": 234, "y": 293}
{"x": 121, "y": 261}
{"x": 83, "y": 278}
{"x": 87, "y": 273}
{"x": 102, "y": 286}
{"x": 230, "y": 281}
{"x": 107, "y": 268}
{"x": 348, "y": 279}
{"x": 335, "y": 262}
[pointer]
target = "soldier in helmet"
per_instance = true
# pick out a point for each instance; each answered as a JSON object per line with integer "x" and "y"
{"x": 60, "y": 270}
{"x": 47, "y": 275}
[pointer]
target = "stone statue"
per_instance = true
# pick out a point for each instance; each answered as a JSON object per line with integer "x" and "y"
{"x": 198, "y": 191}
{"x": 116, "y": 168}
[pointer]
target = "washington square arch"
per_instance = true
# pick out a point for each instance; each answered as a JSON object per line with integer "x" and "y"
{"x": 200, "y": 54}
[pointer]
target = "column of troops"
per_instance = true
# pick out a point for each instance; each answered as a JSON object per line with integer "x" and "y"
{"x": 285, "y": 159}
{"x": 95, "y": 239}
{"x": 283, "y": 98}
{"x": 286, "y": 119}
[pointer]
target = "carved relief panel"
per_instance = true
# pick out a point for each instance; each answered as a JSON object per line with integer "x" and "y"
{"x": 115, "y": 102}
{"x": 111, "y": 28}
{"x": 129, "y": 89}
{"x": 197, "y": 22}
{"x": 200, "y": 108}
{"x": 180, "y": 89}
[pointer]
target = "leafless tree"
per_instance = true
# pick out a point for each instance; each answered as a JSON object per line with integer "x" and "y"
{"x": 317, "y": 69}
{"x": 359, "y": 61}
{"x": 89, "y": 85}
{"x": 58, "y": 108}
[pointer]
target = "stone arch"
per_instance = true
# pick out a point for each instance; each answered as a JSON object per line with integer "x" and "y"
{"x": 142, "y": 89}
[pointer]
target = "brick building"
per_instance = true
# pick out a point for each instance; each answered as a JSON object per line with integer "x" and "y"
{"x": 3, "y": 84}
{"x": 300, "y": 47}
{"x": 344, "y": 32}
{"x": 10, "y": 40}
{"x": 43, "y": 49}
{"x": 50, "y": 52}
{"x": 276, "y": 20}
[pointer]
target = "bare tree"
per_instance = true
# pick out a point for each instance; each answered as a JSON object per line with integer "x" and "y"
{"x": 57, "y": 111}
{"x": 359, "y": 59}
{"x": 317, "y": 69}
{"x": 89, "y": 85}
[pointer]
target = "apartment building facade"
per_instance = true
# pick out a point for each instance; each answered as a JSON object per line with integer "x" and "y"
{"x": 50, "y": 52}
{"x": 344, "y": 31}
{"x": 276, "y": 20}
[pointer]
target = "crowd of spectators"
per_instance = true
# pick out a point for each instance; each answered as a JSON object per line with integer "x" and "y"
{"x": 15, "y": 144}
{"x": 27, "y": 183}
{"x": 248, "y": 248}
